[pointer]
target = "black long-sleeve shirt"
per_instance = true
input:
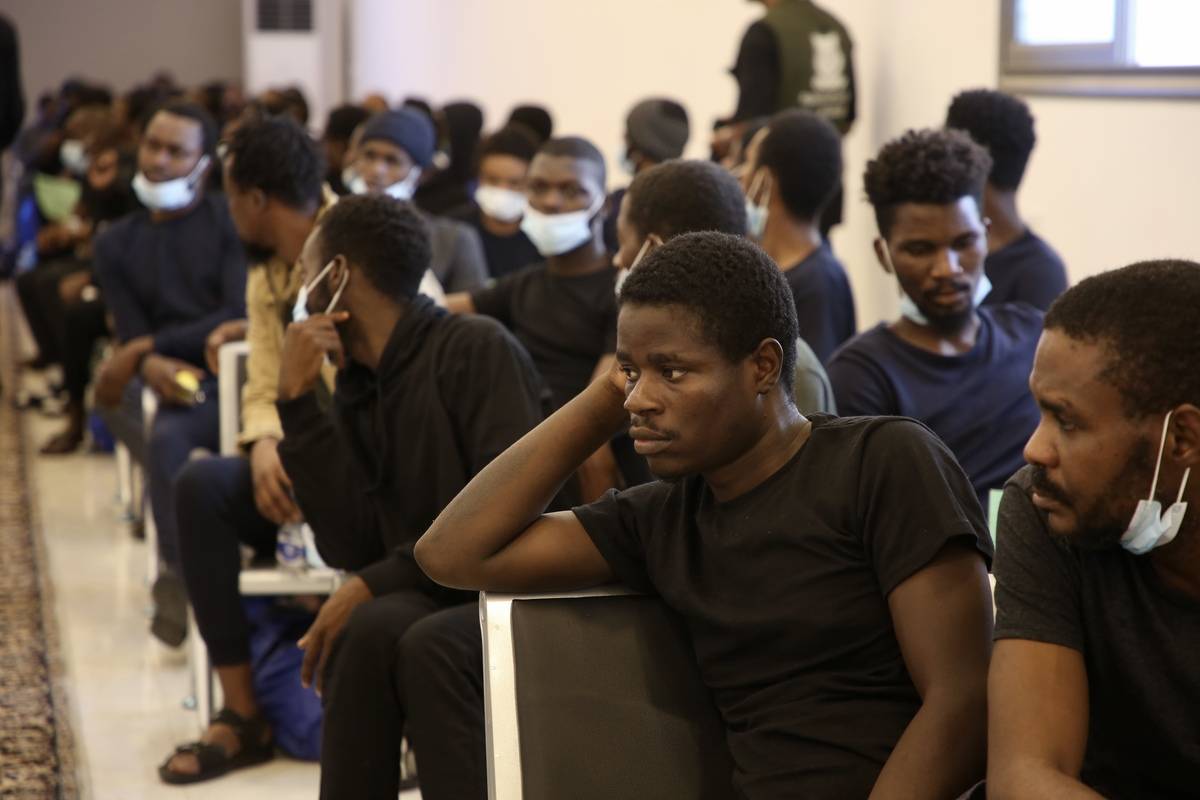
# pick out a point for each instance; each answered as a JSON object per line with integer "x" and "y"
{"x": 451, "y": 393}
{"x": 174, "y": 280}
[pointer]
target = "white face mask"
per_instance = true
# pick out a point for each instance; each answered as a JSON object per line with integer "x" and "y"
{"x": 555, "y": 234}
{"x": 73, "y": 156}
{"x": 300, "y": 310}
{"x": 624, "y": 274}
{"x": 169, "y": 195}
{"x": 1150, "y": 527}
{"x": 405, "y": 189}
{"x": 628, "y": 165}
{"x": 756, "y": 214}
{"x": 400, "y": 190}
{"x": 908, "y": 307}
{"x": 502, "y": 204}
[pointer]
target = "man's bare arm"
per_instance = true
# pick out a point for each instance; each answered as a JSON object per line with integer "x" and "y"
{"x": 1037, "y": 722}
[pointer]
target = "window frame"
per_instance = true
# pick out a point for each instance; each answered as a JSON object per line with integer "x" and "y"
{"x": 1095, "y": 70}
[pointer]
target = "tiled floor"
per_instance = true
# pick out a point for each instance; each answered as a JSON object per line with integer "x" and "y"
{"x": 125, "y": 689}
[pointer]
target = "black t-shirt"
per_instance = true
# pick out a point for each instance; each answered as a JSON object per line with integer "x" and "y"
{"x": 504, "y": 254}
{"x": 1140, "y": 642}
{"x": 784, "y": 592}
{"x": 824, "y": 302}
{"x": 565, "y": 322}
{"x": 1025, "y": 271}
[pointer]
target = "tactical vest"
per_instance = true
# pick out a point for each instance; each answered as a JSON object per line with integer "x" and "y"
{"x": 814, "y": 61}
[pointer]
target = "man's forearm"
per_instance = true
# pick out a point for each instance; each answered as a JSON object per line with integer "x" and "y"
{"x": 1029, "y": 780}
{"x": 942, "y": 751}
{"x": 515, "y": 488}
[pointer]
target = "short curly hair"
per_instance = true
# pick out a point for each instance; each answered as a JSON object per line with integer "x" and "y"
{"x": 804, "y": 153}
{"x": 276, "y": 155}
{"x": 935, "y": 166}
{"x": 678, "y": 197}
{"x": 511, "y": 140}
{"x": 386, "y": 238}
{"x": 1001, "y": 123}
{"x": 1144, "y": 316}
{"x": 734, "y": 289}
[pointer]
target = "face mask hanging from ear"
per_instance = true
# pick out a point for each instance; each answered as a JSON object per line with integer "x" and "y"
{"x": 169, "y": 195}
{"x": 908, "y": 307}
{"x": 756, "y": 213}
{"x": 624, "y": 274}
{"x": 300, "y": 309}
{"x": 1150, "y": 526}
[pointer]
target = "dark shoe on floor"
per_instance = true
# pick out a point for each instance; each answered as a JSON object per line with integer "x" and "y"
{"x": 212, "y": 758}
{"x": 169, "y": 625}
{"x": 67, "y": 441}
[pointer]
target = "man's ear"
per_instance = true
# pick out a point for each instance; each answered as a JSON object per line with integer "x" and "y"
{"x": 258, "y": 199}
{"x": 1185, "y": 427}
{"x": 338, "y": 272}
{"x": 883, "y": 255}
{"x": 768, "y": 365}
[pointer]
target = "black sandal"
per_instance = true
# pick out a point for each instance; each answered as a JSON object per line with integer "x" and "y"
{"x": 211, "y": 757}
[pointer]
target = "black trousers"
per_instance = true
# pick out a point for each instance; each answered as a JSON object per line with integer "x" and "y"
{"x": 40, "y": 301}
{"x": 402, "y": 666}
{"x": 215, "y": 514}
{"x": 84, "y": 324}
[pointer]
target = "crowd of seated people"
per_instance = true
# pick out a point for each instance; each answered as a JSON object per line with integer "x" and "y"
{"x": 474, "y": 367}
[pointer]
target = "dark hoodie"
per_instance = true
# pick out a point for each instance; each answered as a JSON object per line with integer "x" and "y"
{"x": 451, "y": 393}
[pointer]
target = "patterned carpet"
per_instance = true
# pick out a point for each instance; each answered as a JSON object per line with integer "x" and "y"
{"x": 36, "y": 750}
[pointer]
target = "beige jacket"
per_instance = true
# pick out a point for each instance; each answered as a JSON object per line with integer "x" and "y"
{"x": 271, "y": 289}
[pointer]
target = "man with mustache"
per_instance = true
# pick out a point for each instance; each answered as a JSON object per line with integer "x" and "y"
{"x": 958, "y": 367}
{"x": 1095, "y": 686}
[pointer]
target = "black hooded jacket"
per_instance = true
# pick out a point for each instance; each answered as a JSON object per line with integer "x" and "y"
{"x": 451, "y": 393}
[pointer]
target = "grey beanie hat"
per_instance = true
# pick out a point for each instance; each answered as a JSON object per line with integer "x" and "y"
{"x": 659, "y": 128}
{"x": 409, "y": 130}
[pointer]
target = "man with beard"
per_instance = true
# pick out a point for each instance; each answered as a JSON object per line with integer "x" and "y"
{"x": 958, "y": 367}
{"x": 1094, "y": 687}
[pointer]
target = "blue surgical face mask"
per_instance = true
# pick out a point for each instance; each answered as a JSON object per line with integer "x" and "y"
{"x": 1150, "y": 526}
{"x": 757, "y": 213}
{"x": 300, "y": 309}
{"x": 908, "y": 307}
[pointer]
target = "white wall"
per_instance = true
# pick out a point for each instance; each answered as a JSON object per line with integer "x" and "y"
{"x": 123, "y": 42}
{"x": 1106, "y": 184}
{"x": 586, "y": 61}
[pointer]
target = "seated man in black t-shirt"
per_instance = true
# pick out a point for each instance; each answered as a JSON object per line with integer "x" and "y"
{"x": 563, "y": 309}
{"x": 499, "y": 203}
{"x": 960, "y": 368}
{"x": 1020, "y": 265}
{"x": 793, "y": 169}
{"x": 1095, "y": 681}
{"x": 832, "y": 572}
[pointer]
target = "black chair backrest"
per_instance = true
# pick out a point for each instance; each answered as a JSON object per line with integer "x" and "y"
{"x": 610, "y": 704}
